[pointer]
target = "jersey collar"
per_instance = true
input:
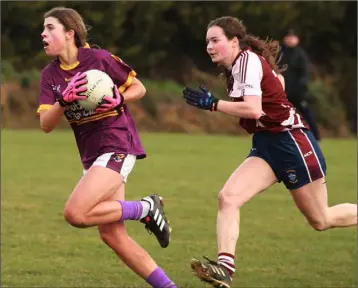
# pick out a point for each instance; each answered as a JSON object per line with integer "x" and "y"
{"x": 74, "y": 65}
{"x": 237, "y": 57}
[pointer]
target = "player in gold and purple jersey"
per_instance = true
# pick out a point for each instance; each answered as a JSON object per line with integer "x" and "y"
{"x": 107, "y": 141}
{"x": 283, "y": 148}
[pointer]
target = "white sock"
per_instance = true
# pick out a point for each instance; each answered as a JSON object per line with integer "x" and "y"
{"x": 146, "y": 207}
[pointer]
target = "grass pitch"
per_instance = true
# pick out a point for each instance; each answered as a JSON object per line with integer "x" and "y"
{"x": 276, "y": 247}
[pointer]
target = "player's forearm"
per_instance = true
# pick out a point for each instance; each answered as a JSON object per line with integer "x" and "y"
{"x": 239, "y": 109}
{"x": 50, "y": 118}
{"x": 134, "y": 92}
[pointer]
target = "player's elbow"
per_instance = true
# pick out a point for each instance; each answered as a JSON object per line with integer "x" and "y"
{"x": 46, "y": 129}
{"x": 256, "y": 114}
{"x": 143, "y": 91}
{"x": 253, "y": 107}
{"x": 138, "y": 89}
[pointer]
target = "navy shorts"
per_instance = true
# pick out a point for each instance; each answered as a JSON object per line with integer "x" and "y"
{"x": 294, "y": 156}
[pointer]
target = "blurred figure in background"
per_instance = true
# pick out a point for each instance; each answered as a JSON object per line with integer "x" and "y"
{"x": 297, "y": 78}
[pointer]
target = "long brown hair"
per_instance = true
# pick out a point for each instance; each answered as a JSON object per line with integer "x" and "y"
{"x": 71, "y": 20}
{"x": 233, "y": 27}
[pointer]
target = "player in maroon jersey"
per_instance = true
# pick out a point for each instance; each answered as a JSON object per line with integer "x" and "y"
{"x": 107, "y": 141}
{"x": 283, "y": 148}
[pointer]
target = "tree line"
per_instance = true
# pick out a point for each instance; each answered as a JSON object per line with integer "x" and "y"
{"x": 166, "y": 39}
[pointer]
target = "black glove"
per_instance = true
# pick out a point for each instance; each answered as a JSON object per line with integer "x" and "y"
{"x": 202, "y": 99}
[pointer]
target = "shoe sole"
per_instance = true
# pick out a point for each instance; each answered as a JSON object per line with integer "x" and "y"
{"x": 170, "y": 228}
{"x": 162, "y": 204}
{"x": 203, "y": 274}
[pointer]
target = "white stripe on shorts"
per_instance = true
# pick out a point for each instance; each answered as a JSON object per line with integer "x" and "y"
{"x": 314, "y": 152}
{"x": 127, "y": 166}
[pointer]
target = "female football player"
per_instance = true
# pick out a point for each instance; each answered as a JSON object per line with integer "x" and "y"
{"x": 107, "y": 141}
{"x": 283, "y": 148}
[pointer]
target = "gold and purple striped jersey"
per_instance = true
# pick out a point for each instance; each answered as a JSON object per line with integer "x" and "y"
{"x": 95, "y": 134}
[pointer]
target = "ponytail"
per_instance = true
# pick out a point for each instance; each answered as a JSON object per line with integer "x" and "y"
{"x": 269, "y": 49}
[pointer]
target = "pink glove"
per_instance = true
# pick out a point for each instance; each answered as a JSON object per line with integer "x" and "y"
{"x": 109, "y": 103}
{"x": 70, "y": 94}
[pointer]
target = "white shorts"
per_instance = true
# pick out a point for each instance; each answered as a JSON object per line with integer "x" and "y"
{"x": 119, "y": 162}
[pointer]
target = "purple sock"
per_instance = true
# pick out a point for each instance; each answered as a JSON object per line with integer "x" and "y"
{"x": 131, "y": 210}
{"x": 158, "y": 279}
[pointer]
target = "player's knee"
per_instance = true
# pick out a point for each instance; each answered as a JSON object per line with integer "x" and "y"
{"x": 229, "y": 199}
{"x": 319, "y": 224}
{"x": 75, "y": 218}
{"x": 223, "y": 198}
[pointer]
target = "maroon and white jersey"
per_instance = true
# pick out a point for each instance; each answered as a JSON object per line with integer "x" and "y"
{"x": 252, "y": 76}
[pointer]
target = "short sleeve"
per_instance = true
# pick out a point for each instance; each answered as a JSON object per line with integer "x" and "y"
{"x": 121, "y": 73}
{"x": 47, "y": 95}
{"x": 247, "y": 75}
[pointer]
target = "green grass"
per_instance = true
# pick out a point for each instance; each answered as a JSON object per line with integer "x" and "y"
{"x": 165, "y": 90}
{"x": 276, "y": 248}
